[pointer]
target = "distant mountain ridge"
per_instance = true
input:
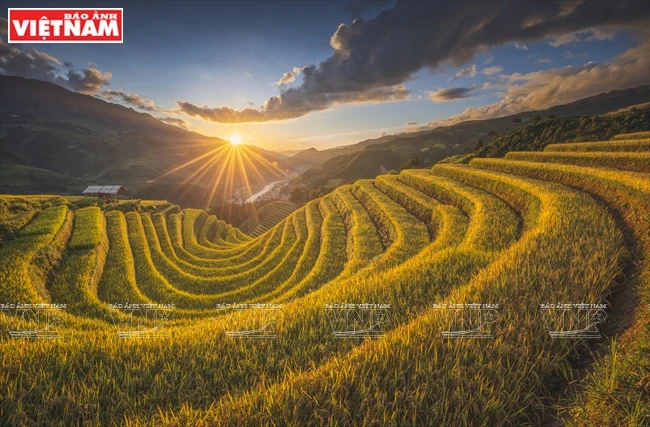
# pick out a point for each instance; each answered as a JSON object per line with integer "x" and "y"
{"x": 462, "y": 133}
{"x": 55, "y": 103}
{"x": 56, "y": 140}
{"x": 365, "y": 159}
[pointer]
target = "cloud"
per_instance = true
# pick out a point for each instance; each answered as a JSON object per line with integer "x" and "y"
{"x": 289, "y": 77}
{"x": 540, "y": 60}
{"x": 29, "y": 63}
{"x": 570, "y": 55}
{"x": 520, "y": 46}
{"x": 34, "y": 64}
{"x": 469, "y": 71}
{"x": 292, "y": 104}
{"x": 589, "y": 35}
{"x": 250, "y": 103}
{"x": 492, "y": 70}
{"x": 543, "y": 89}
{"x": 451, "y": 94}
{"x": 4, "y": 26}
{"x": 372, "y": 59}
{"x": 89, "y": 81}
{"x": 174, "y": 121}
{"x": 410, "y": 123}
{"x": 488, "y": 60}
{"x": 130, "y": 99}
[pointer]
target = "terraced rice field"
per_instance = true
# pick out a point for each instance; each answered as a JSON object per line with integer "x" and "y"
{"x": 268, "y": 216}
{"x": 568, "y": 225}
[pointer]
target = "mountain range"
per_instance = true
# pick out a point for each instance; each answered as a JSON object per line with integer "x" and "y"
{"x": 59, "y": 141}
{"x": 371, "y": 157}
{"x": 53, "y": 140}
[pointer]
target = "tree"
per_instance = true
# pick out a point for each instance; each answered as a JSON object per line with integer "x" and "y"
{"x": 297, "y": 195}
{"x": 413, "y": 163}
{"x": 478, "y": 145}
{"x": 517, "y": 119}
{"x": 538, "y": 118}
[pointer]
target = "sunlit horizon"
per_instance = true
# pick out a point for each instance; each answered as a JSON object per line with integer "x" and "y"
{"x": 226, "y": 165}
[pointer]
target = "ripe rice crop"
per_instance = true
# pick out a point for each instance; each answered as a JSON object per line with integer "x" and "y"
{"x": 569, "y": 224}
{"x": 633, "y": 161}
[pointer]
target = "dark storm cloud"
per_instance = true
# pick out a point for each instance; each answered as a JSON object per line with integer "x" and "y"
{"x": 293, "y": 103}
{"x": 4, "y": 26}
{"x": 373, "y": 58}
{"x": 451, "y": 94}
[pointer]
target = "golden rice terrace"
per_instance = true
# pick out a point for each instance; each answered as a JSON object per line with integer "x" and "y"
{"x": 506, "y": 240}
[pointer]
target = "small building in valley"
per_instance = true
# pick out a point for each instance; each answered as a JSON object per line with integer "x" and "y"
{"x": 106, "y": 192}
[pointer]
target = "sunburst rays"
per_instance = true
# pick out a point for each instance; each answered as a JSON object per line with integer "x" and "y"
{"x": 222, "y": 172}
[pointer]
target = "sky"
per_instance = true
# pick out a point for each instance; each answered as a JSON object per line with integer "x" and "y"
{"x": 294, "y": 75}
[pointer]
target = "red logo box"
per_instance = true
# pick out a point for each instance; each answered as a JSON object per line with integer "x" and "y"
{"x": 64, "y": 25}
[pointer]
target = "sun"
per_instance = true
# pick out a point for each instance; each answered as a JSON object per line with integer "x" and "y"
{"x": 235, "y": 139}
